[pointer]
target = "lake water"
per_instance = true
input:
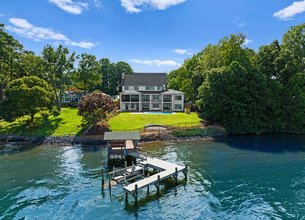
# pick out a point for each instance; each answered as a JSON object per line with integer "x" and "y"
{"x": 233, "y": 178}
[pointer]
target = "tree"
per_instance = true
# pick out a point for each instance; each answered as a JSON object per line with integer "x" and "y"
{"x": 9, "y": 53}
{"x": 95, "y": 107}
{"x": 112, "y": 75}
{"x": 87, "y": 74}
{"x": 58, "y": 67}
{"x": 26, "y": 96}
{"x": 236, "y": 98}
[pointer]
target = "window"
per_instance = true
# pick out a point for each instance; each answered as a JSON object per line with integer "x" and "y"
{"x": 126, "y": 87}
{"x": 166, "y": 107}
{"x": 145, "y": 98}
{"x": 125, "y": 98}
{"x": 67, "y": 99}
{"x": 136, "y": 88}
{"x": 145, "y": 106}
{"x": 156, "y": 97}
{"x": 178, "y": 97}
{"x": 134, "y": 98}
{"x": 178, "y": 106}
{"x": 159, "y": 88}
{"x": 155, "y": 105}
{"x": 167, "y": 98}
{"x": 149, "y": 88}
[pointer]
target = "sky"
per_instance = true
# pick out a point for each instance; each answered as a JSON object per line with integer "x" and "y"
{"x": 151, "y": 35}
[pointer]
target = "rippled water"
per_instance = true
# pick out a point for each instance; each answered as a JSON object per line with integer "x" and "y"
{"x": 234, "y": 178}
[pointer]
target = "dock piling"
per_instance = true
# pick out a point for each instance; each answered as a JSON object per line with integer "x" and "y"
{"x": 103, "y": 181}
{"x": 158, "y": 185}
{"x": 136, "y": 194}
{"x": 176, "y": 174}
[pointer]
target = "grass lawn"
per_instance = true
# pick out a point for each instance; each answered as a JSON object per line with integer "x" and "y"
{"x": 127, "y": 121}
{"x": 67, "y": 123}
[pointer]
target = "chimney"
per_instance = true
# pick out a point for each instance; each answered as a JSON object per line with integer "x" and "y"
{"x": 123, "y": 76}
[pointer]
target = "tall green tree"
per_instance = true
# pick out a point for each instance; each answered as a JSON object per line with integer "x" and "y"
{"x": 58, "y": 67}
{"x": 10, "y": 50}
{"x": 112, "y": 75}
{"x": 87, "y": 73}
{"x": 26, "y": 96}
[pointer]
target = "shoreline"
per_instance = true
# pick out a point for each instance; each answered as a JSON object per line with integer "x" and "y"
{"x": 65, "y": 140}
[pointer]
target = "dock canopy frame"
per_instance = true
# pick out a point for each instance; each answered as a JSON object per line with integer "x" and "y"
{"x": 121, "y": 136}
{"x": 120, "y": 144}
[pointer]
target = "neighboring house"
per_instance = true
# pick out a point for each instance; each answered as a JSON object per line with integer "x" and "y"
{"x": 148, "y": 92}
{"x": 72, "y": 97}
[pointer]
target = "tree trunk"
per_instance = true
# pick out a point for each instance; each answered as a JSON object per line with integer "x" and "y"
{"x": 1, "y": 92}
{"x": 32, "y": 118}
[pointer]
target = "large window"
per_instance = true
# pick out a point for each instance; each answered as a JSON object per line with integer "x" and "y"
{"x": 126, "y": 87}
{"x": 166, "y": 107}
{"x": 167, "y": 98}
{"x": 145, "y": 106}
{"x": 178, "y": 97}
{"x": 156, "y": 97}
{"x": 178, "y": 107}
{"x": 135, "y": 98}
{"x": 125, "y": 98}
{"x": 155, "y": 105}
{"x": 149, "y": 88}
{"x": 145, "y": 98}
{"x": 136, "y": 88}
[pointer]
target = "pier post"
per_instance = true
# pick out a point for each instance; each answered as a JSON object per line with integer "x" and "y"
{"x": 176, "y": 175}
{"x": 136, "y": 194}
{"x": 125, "y": 163}
{"x": 103, "y": 181}
{"x": 110, "y": 182}
{"x": 147, "y": 189}
{"x": 158, "y": 185}
{"x": 185, "y": 172}
{"x": 126, "y": 198}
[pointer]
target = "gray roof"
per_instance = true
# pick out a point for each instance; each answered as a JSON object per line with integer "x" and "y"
{"x": 145, "y": 79}
{"x": 120, "y": 135}
{"x": 171, "y": 91}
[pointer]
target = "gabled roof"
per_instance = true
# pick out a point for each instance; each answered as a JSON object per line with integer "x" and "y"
{"x": 171, "y": 91}
{"x": 145, "y": 79}
{"x": 120, "y": 136}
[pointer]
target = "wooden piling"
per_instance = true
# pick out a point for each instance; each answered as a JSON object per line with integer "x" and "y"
{"x": 136, "y": 194}
{"x": 158, "y": 185}
{"x": 176, "y": 174}
{"x": 103, "y": 181}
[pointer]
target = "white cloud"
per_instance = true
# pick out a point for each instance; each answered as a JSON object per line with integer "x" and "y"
{"x": 239, "y": 23}
{"x": 289, "y": 12}
{"x": 136, "y": 6}
{"x": 25, "y": 29}
{"x": 183, "y": 51}
{"x": 97, "y": 3}
{"x": 248, "y": 41}
{"x": 2, "y": 15}
{"x": 157, "y": 63}
{"x": 70, "y": 6}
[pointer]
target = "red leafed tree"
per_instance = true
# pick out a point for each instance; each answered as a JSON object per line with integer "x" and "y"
{"x": 95, "y": 107}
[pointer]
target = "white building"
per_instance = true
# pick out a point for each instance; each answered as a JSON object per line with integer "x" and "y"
{"x": 148, "y": 92}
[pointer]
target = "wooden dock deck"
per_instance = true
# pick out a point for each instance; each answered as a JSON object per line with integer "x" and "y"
{"x": 134, "y": 177}
{"x": 167, "y": 169}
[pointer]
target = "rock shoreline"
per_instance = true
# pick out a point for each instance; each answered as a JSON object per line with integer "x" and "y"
{"x": 164, "y": 136}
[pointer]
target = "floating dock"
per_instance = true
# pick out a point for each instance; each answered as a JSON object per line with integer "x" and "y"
{"x": 136, "y": 177}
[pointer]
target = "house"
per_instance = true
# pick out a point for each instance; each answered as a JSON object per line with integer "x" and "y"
{"x": 148, "y": 92}
{"x": 72, "y": 97}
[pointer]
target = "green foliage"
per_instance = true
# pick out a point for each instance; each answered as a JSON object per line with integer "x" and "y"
{"x": 96, "y": 107}
{"x": 26, "y": 96}
{"x": 248, "y": 92}
{"x": 197, "y": 132}
{"x": 58, "y": 67}
{"x": 87, "y": 74}
{"x": 112, "y": 75}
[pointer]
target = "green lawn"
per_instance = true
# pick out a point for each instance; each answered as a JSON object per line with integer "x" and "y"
{"x": 67, "y": 123}
{"x": 127, "y": 121}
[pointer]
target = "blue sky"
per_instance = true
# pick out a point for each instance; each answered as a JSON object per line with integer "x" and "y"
{"x": 151, "y": 35}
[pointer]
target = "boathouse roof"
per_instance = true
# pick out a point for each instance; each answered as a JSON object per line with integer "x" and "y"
{"x": 120, "y": 135}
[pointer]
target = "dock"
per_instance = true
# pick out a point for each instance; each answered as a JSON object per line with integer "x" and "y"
{"x": 136, "y": 177}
